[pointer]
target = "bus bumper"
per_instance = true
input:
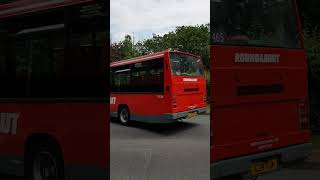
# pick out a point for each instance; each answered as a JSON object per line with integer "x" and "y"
{"x": 85, "y": 172}
{"x": 184, "y": 114}
{"x": 242, "y": 165}
{"x": 166, "y": 118}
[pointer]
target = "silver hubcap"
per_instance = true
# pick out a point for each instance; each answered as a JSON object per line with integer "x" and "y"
{"x": 45, "y": 167}
{"x": 124, "y": 116}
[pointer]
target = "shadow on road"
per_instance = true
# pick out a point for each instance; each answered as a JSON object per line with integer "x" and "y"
{"x": 313, "y": 162}
{"x": 308, "y": 165}
{"x": 162, "y": 129}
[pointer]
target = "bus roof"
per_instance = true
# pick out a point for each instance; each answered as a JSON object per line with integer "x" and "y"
{"x": 147, "y": 57}
{"x": 28, "y": 6}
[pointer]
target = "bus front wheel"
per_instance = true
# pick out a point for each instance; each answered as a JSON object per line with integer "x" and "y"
{"x": 124, "y": 115}
{"x": 44, "y": 162}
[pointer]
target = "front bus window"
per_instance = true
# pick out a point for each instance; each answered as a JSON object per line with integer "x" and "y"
{"x": 185, "y": 65}
{"x": 270, "y": 23}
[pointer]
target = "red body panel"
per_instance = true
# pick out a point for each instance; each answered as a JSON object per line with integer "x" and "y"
{"x": 240, "y": 121}
{"x": 137, "y": 103}
{"x": 188, "y": 100}
{"x": 78, "y": 127}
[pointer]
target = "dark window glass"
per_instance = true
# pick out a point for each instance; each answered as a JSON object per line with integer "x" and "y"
{"x": 141, "y": 77}
{"x": 55, "y": 54}
{"x": 147, "y": 76}
{"x": 120, "y": 81}
{"x": 155, "y": 78}
{"x": 185, "y": 65}
{"x": 14, "y": 65}
{"x": 254, "y": 23}
{"x": 7, "y": 1}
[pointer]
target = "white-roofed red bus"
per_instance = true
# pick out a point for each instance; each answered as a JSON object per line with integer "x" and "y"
{"x": 163, "y": 87}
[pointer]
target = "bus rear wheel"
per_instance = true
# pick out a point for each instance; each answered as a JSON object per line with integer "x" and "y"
{"x": 124, "y": 115}
{"x": 44, "y": 163}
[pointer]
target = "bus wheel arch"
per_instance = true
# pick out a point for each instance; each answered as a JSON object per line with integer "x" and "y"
{"x": 124, "y": 114}
{"x": 43, "y": 149}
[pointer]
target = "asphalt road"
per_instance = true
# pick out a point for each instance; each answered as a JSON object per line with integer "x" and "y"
{"x": 161, "y": 151}
{"x": 310, "y": 170}
{"x": 292, "y": 174}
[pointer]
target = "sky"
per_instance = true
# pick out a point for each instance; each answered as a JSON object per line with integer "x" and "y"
{"x": 143, "y": 18}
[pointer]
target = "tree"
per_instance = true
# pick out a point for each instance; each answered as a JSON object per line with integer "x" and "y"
{"x": 123, "y": 50}
{"x": 193, "y": 39}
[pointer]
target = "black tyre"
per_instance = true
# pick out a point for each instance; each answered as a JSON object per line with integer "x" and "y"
{"x": 124, "y": 115}
{"x": 44, "y": 162}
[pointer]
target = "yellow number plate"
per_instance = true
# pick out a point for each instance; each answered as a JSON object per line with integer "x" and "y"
{"x": 192, "y": 114}
{"x": 264, "y": 167}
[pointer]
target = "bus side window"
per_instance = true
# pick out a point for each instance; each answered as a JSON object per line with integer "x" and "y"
{"x": 150, "y": 75}
{"x": 156, "y": 75}
{"x": 120, "y": 79}
{"x": 54, "y": 57}
{"x": 137, "y": 83}
{"x": 4, "y": 66}
{"x": 15, "y": 65}
{"x": 111, "y": 80}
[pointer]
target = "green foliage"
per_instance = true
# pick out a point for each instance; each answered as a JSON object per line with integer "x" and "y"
{"x": 193, "y": 39}
{"x": 310, "y": 14}
{"x": 309, "y": 11}
{"x": 123, "y": 50}
{"x": 312, "y": 45}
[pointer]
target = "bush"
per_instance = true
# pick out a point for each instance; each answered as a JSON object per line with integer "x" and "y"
{"x": 312, "y": 45}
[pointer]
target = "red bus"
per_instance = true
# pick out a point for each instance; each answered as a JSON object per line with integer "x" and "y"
{"x": 53, "y": 89}
{"x": 259, "y": 110}
{"x": 163, "y": 87}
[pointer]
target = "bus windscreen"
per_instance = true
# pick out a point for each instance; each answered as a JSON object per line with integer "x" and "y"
{"x": 266, "y": 23}
{"x": 185, "y": 65}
